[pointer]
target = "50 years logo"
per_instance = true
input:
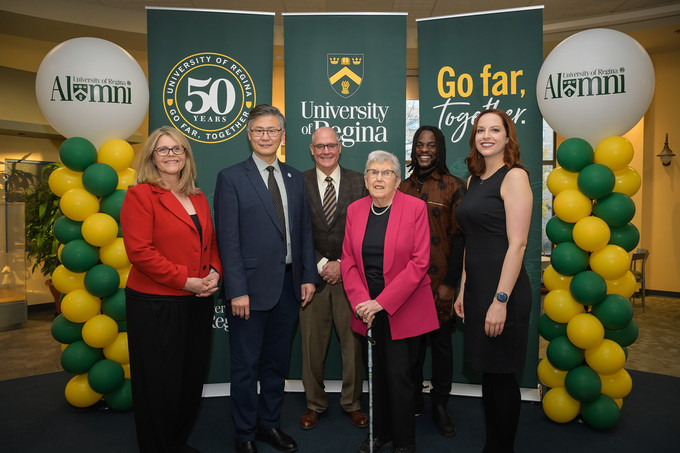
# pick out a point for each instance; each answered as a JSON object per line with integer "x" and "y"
{"x": 208, "y": 97}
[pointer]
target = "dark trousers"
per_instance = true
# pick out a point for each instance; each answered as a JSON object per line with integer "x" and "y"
{"x": 260, "y": 351}
{"x": 393, "y": 401}
{"x": 169, "y": 346}
{"x": 502, "y": 400}
{"x": 442, "y": 363}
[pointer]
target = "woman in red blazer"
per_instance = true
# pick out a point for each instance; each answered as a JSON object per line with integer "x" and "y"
{"x": 385, "y": 258}
{"x": 170, "y": 241}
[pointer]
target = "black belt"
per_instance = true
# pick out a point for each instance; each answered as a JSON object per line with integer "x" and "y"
{"x": 289, "y": 267}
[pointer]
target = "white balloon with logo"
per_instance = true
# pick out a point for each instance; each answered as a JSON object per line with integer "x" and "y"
{"x": 92, "y": 88}
{"x": 595, "y": 84}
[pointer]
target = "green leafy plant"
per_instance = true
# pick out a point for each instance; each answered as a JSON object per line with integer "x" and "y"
{"x": 41, "y": 210}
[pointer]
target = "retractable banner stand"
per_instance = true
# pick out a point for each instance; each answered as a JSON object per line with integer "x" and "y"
{"x": 207, "y": 70}
{"x": 470, "y": 63}
{"x": 348, "y": 72}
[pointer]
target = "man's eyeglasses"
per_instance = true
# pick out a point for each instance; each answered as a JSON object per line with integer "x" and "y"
{"x": 270, "y": 132}
{"x": 426, "y": 145}
{"x": 164, "y": 150}
{"x": 330, "y": 146}
{"x": 371, "y": 173}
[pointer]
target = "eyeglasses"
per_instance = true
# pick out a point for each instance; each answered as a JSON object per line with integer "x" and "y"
{"x": 330, "y": 146}
{"x": 371, "y": 173}
{"x": 270, "y": 132}
{"x": 426, "y": 145}
{"x": 164, "y": 150}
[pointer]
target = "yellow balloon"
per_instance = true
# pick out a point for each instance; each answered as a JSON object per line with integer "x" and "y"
{"x": 559, "y": 406}
{"x": 126, "y": 178}
{"x": 549, "y": 375}
{"x": 116, "y": 153}
{"x": 61, "y": 247}
{"x": 591, "y": 233}
{"x": 617, "y": 385}
{"x": 624, "y": 286}
{"x": 99, "y": 229}
{"x": 628, "y": 181}
{"x": 66, "y": 281}
{"x": 554, "y": 280}
{"x": 607, "y": 358}
{"x": 118, "y": 349}
{"x": 114, "y": 254}
{"x": 100, "y": 331}
{"x": 79, "y": 393}
{"x": 77, "y": 204}
{"x": 585, "y": 331}
{"x": 571, "y": 205}
{"x": 124, "y": 273}
{"x": 560, "y": 179}
{"x": 611, "y": 262}
{"x": 560, "y": 306}
{"x": 619, "y": 402}
{"x": 126, "y": 370}
{"x": 79, "y": 305}
{"x": 63, "y": 179}
{"x": 614, "y": 152}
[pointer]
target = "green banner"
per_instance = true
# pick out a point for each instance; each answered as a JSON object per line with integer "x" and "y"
{"x": 207, "y": 70}
{"x": 346, "y": 71}
{"x": 470, "y": 63}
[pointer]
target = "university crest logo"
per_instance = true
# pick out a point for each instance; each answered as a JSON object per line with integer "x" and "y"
{"x": 345, "y": 72}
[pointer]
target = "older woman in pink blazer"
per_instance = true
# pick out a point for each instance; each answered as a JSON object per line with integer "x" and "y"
{"x": 385, "y": 258}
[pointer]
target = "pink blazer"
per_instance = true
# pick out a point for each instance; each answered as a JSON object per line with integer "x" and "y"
{"x": 407, "y": 297}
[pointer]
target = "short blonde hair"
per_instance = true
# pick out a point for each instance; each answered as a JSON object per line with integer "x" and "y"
{"x": 147, "y": 171}
{"x": 384, "y": 156}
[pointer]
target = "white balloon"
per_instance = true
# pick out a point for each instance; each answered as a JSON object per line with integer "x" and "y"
{"x": 92, "y": 88}
{"x": 595, "y": 84}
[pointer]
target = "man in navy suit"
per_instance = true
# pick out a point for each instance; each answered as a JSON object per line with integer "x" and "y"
{"x": 264, "y": 236}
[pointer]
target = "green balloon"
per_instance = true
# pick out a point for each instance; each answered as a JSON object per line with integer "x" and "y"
{"x": 596, "y": 181}
{"x": 121, "y": 398}
{"x": 100, "y": 179}
{"x": 563, "y": 354}
{"x": 627, "y": 237}
{"x": 617, "y": 209}
{"x": 78, "y": 357}
{"x": 550, "y": 329}
{"x": 67, "y": 230}
{"x": 559, "y": 231}
{"x": 568, "y": 259}
{"x": 77, "y": 153}
{"x": 582, "y": 383}
{"x": 112, "y": 203}
{"x": 614, "y": 312}
{"x": 624, "y": 337}
{"x": 588, "y": 288}
{"x": 574, "y": 154}
{"x": 102, "y": 280}
{"x": 65, "y": 331}
{"x": 114, "y": 305}
{"x": 105, "y": 376}
{"x": 79, "y": 256}
{"x": 601, "y": 413}
{"x": 122, "y": 326}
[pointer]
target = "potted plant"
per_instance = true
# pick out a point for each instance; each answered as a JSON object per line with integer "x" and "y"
{"x": 41, "y": 211}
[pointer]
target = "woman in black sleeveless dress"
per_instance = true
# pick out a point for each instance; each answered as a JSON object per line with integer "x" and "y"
{"x": 495, "y": 295}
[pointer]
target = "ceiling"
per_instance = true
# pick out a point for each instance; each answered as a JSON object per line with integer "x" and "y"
{"x": 654, "y": 23}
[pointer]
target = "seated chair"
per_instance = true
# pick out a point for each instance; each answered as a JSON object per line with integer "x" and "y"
{"x": 637, "y": 267}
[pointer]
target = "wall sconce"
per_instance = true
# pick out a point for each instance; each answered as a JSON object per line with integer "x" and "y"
{"x": 666, "y": 154}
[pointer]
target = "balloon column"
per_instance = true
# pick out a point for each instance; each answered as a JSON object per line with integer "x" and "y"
{"x": 588, "y": 318}
{"x": 94, "y": 93}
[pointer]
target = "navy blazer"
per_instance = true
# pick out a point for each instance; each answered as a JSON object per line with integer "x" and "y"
{"x": 250, "y": 239}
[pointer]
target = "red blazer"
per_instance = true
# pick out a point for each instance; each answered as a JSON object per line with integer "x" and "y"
{"x": 407, "y": 297}
{"x": 162, "y": 241}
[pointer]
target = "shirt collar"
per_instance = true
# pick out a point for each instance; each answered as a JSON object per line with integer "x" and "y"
{"x": 262, "y": 165}
{"x": 321, "y": 176}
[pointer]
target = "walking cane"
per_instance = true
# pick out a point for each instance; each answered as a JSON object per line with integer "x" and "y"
{"x": 371, "y": 342}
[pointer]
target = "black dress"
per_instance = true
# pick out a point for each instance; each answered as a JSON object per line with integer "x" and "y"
{"x": 481, "y": 215}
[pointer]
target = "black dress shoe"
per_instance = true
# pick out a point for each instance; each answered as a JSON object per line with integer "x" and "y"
{"x": 443, "y": 421}
{"x": 246, "y": 447}
{"x": 378, "y": 444}
{"x": 277, "y": 439}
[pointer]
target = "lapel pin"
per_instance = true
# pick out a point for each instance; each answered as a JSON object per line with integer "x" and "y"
{"x": 289, "y": 175}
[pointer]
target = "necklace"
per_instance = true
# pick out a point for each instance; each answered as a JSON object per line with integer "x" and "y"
{"x": 387, "y": 208}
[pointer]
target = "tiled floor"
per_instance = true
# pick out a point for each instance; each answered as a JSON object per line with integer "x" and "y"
{"x": 31, "y": 350}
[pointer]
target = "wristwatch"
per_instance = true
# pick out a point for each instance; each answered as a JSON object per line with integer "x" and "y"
{"x": 501, "y": 297}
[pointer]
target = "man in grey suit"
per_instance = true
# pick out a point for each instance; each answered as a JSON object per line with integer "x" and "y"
{"x": 330, "y": 189}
